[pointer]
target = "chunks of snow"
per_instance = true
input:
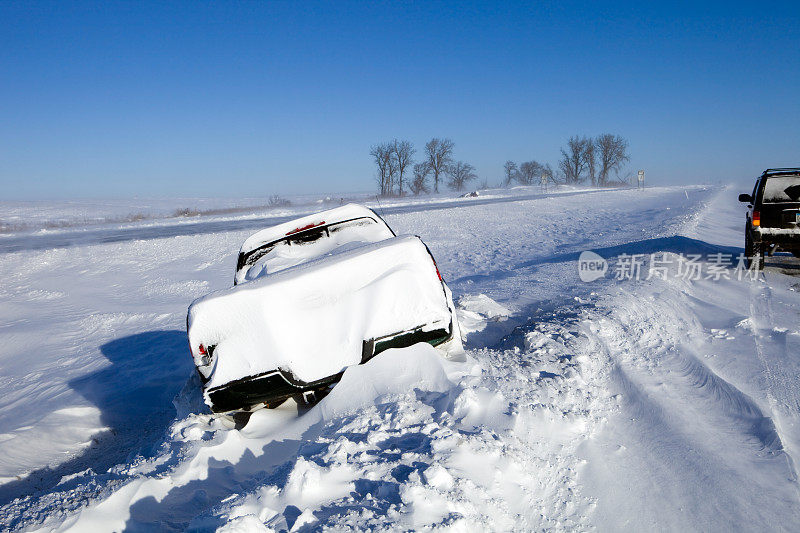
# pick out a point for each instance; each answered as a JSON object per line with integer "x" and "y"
{"x": 483, "y": 305}
{"x": 437, "y": 476}
{"x": 475, "y": 310}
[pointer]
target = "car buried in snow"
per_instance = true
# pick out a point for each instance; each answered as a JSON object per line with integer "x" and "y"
{"x": 773, "y": 215}
{"x": 311, "y": 297}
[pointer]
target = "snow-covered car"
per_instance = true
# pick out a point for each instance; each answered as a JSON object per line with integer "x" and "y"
{"x": 311, "y": 297}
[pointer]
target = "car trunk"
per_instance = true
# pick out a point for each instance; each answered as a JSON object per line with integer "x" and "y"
{"x": 312, "y": 320}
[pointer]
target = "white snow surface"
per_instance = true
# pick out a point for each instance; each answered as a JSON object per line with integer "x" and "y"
{"x": 658, "y": 404}
{"x": 311, "y": 320}
{"x": 57, "y": 218}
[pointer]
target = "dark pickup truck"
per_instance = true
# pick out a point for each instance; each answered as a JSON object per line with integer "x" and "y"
{"x": 773, "y": 215}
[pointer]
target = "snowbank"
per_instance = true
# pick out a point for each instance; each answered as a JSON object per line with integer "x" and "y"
{"x": 270, "y": 438}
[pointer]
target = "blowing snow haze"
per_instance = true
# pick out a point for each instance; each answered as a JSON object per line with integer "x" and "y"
{"x": 387, "y": 266}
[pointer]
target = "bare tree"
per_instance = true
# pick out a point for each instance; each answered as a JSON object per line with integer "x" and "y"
{"x": 403, "y": 152}
{"x": 460, "y": 173}
{"x": 589, "y": 155}
{"x": 612, "y": 155}
{"x": 556, "y": 176}
{"x": 573, "y": 159}
{"x": 383, "y": 155}
{"x": 439, "y": 156}
{"x": 420, "y": 182}
{"x": 510, "y": 169}
{"x": 530, "y": 172}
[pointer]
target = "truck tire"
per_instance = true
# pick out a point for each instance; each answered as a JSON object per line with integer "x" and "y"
{"x": 754, "y": 253}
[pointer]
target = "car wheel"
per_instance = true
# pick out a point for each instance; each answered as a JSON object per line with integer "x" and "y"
{"x": 754, "y": 253}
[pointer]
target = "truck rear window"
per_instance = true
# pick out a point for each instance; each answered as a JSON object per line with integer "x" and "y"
{"x": 782, "y": 189}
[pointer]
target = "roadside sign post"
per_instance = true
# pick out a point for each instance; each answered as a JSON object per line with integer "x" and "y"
{"x": 641, "y": 180}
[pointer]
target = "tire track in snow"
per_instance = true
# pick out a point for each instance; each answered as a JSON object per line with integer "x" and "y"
{"x": 633, "y": 354}
{"x": 783, "y": 392}
{"x": 681, "y": 424}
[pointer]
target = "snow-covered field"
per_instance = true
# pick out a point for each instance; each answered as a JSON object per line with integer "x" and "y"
{"x": 617, "y": 404}
{"x": 40, "y": 226}
{"x": 69, "y": 216}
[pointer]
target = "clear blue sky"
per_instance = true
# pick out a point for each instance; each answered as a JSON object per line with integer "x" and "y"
{"x": 220, "y": 98}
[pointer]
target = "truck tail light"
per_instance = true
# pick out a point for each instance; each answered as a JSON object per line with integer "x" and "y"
{"x": 756, "y": 218}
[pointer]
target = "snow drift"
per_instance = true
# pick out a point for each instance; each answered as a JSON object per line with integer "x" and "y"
{"x": 657, "y": 404}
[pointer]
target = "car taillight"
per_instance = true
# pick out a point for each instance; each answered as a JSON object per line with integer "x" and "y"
{"x": 756, "y": 218}
{"x": 202, "y": 350}
{"x": 437, "y": 268}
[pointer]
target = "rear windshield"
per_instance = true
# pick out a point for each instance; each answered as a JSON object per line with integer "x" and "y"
{"x": 782, "y": 189}
{"x": 306, "y": 237}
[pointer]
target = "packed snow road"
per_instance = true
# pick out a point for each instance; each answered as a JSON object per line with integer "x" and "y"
{"x": 620, "y": 403}
{"x": 160, "y": 228}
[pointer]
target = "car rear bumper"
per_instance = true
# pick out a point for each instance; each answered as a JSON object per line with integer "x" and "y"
{"x": 777, "y": 235}
{"x": 274, "y": 387}
{"x": 268, "y": 388}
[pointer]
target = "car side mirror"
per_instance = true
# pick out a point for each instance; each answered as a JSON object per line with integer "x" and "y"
{"x": 745, "y": 198}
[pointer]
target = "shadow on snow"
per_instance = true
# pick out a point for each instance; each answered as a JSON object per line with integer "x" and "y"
{"x": 677, "y": 244}
{"x": 134, "y": 395}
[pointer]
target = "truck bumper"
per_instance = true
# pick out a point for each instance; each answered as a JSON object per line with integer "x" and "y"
{"x": 780, "y": 236}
